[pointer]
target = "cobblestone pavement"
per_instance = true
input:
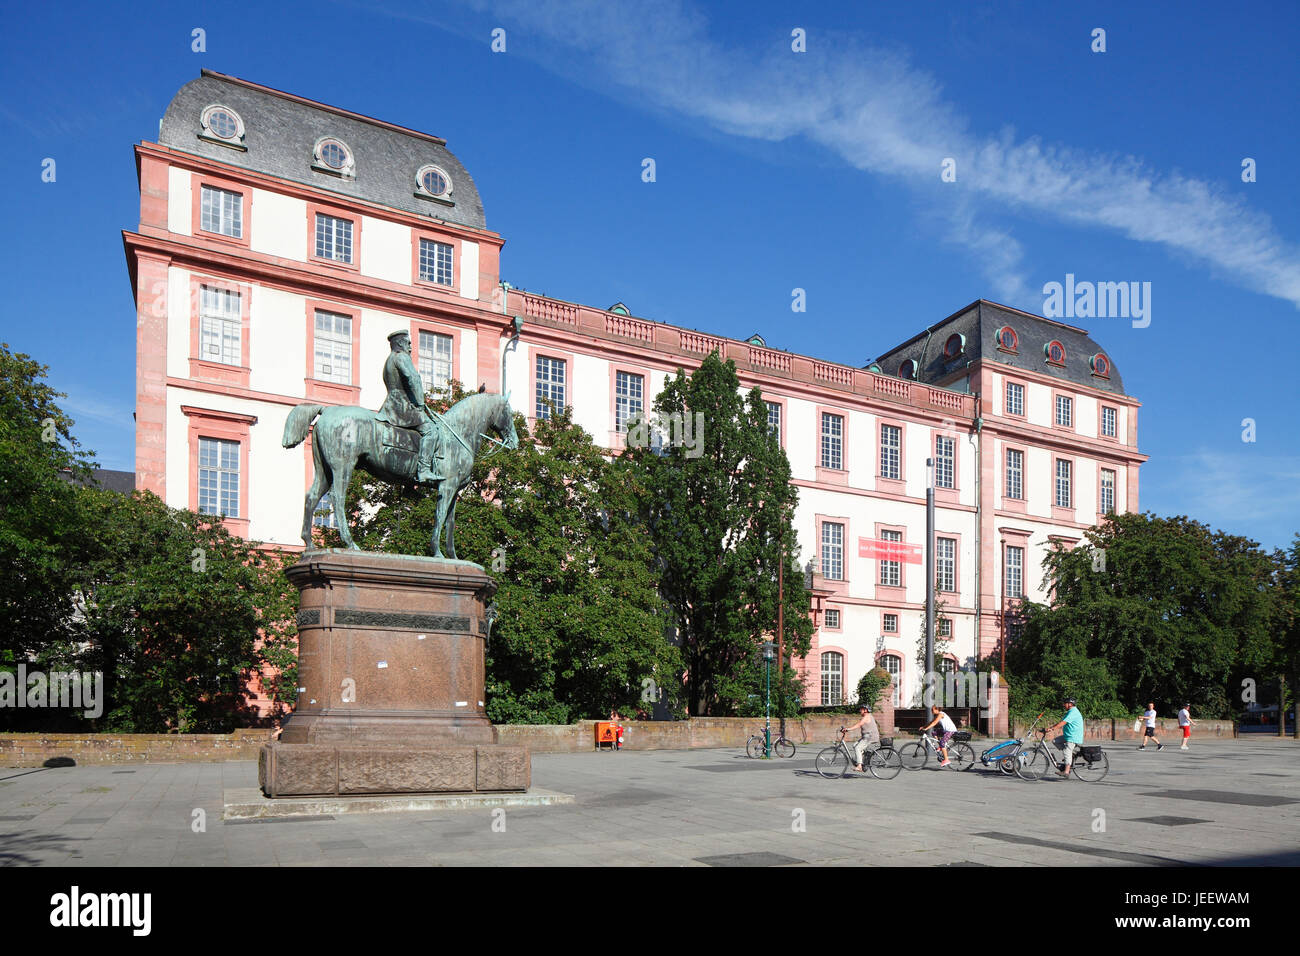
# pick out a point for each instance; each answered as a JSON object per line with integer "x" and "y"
{"x": 1221, "y": 803}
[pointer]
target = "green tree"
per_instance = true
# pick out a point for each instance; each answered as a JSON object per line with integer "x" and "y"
{"x": 581, "y": 627}
{"x": 871, "y": 685}
{"x": 1161, "y": 609}
{"x": 39, "y": 526}
{"x": 717, "y": 498}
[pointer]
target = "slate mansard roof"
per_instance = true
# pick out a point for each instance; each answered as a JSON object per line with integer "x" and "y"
{"x": 979, "y": 323}
{"x": 281, "y": 132}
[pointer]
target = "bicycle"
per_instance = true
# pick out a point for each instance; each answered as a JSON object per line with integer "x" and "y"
{"x": 782, "y": 745}
{"x": 1007, "y": 754}
{"x": 1090, "y": 764}
{"x": 917, "y": 754}
{"x": 882, "y": 763}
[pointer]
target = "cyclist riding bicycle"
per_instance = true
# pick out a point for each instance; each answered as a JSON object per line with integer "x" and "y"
{"x": 1072, "y": 739}
{"x": 868, "y": 734}
{"x": 947, "y": 728}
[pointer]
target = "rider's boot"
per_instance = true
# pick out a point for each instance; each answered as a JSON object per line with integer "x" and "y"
{"x": 425, "y": 474}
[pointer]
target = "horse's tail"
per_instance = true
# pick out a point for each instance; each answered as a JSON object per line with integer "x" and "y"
{"x": 299, "y": 423}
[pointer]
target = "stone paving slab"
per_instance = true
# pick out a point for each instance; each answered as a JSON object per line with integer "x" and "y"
{"x": 1225, "y": 802}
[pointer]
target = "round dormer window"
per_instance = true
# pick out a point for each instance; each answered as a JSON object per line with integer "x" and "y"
{"x": 1055, "y": 353}
{"x": 1007, "y": 339}
{"x": 907, "y": 369}
{"x": 955, "y": 345}
{"x": 223, "y": 123}
{"x": 1100, "y": 366}
{"x": 333, "y": 155}
{"x": 433, "y": 181}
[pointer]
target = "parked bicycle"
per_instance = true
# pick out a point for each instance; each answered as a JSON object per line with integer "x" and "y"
{"x": 782, "y": 745}
{"x": 882, "y": 762}
{"x": 1090, "y": 764}
{"x": 917, "y": 754}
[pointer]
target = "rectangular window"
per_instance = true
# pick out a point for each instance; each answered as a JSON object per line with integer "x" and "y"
{"x": 219, "y": 477}
{"x": 629, "y": 391}
{"x": 1015, "y": 399}
{"x": 1015, "y": 473}
{"x": 1109, "y": 421}
{"x": 891, "y": 572}
{"x": 323, "y": 517}
{"x": 550, "y": 386}
{"x": 774, "y": 419}
{"x": 945, "y": 630}
{"x": 890, "y": 624}
{"x": 833, "y": 619}
{"x": 1062, "y": 483}
{"x": 435, "y": 262}
{"x": 1107, "y": 491}
{"x": 894, "y": 665}
{"x": 945, "y": 453}
{"x": 333, "y": 347}
{"x": 333, "y": 238}
{"x": 832, "y": 679}
{"x": 832, "y": 551}
{"x": 945, "y": 563}
{"x": 1014, "y": 574}
{"x": 222, "y": 212}
{"x": 219, "y": 326}
{"x": 435, "y": 360}
{"x": 891, "y": 443}
{"x": 1064, "y": 411}
{"x": 832, "y": 441}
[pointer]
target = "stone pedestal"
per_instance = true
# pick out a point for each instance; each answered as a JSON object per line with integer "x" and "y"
{"x": 390, "y": 681}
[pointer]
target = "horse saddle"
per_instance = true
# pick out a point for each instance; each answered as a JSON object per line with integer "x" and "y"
{"x": 402, "y": 439}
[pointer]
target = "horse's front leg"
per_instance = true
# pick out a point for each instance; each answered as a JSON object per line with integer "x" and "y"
{"x": 445, "y": 499}
{"x": 451, "y": 525}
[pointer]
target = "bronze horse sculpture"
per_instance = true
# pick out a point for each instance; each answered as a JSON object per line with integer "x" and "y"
{"x": 347, "y": 436}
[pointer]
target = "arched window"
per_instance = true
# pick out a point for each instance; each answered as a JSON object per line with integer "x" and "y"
{"x": 832, "y": 679}
{"x": 894, "y": 665}
{"x": 1055, "y": 353}
{"x": 1008, "y": 341}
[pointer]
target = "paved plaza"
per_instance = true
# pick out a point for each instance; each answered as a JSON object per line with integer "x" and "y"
{"x": 1231, "y": 802}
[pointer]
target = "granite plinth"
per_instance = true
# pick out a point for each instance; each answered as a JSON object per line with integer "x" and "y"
{"x": 300, "y": 770}
{"x": 391, "y": 650}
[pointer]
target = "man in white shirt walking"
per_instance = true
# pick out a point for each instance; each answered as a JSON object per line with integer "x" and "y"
{"x": 1185, "y": 722}
{"x": 1150, "y": 718}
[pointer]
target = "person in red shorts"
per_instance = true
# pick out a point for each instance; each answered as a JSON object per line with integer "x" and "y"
{"x": 1185, "y": 722}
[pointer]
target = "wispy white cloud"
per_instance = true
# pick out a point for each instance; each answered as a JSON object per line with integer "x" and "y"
{"x": 1233, "y": 486}
{"x": 882, "y": 114}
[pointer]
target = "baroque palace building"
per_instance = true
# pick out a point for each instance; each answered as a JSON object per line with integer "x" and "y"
{"x": 282, "y": 240}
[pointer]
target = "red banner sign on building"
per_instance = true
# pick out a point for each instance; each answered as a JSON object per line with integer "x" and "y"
{"x": 878, "y": 550}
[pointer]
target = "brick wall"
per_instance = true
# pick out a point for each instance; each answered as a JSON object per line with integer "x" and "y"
{"x": 1166, "y": 730}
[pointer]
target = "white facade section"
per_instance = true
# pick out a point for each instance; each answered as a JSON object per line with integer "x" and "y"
{"x": 1038, "y": 404}
{"x": 385, "y": 250}
{"x": 279, "y": 225}
{"x": 469, "y": 270}
{"x": 467, "y": 361}
{"x": 277, "y": 342}
{"x": 376, "y": 326}
{"x": 180, "y": 201}
{"x": 802, "y": 438}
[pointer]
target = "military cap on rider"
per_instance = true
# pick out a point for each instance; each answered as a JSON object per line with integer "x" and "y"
{"x": 393, "y": 336}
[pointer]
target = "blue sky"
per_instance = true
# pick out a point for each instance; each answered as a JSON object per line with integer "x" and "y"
{"x": 775, "y": 170}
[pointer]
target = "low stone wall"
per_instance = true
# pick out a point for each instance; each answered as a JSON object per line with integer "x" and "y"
{"x": 32, "y": 750}
{"x": 1122, "y": 729}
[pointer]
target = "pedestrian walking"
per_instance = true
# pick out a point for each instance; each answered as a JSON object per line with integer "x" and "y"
{"x": 1185, "y": 721}
{"x": 1150, "y": 718}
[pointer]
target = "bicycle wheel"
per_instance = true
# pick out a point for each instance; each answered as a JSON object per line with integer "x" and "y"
{"x": 1008, "y": 763}
{"x": 1033, "y": 764}
{"x": 1090, "y": 772}
{"x": 783, "y": 747}
{"x": 755, "y": 746}
{"x": 885, "y": 764}
{"x": 832, "y": 763}
{"x": 914, "y": 756}
{"x": 962, "y": 756}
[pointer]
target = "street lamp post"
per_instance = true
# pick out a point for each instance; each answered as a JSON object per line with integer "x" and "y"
{"x": 769, "y": 651}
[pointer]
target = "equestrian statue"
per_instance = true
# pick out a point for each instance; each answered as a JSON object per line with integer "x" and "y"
{"x": 405, "y": 442}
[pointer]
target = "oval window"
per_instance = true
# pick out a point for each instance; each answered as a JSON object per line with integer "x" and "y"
{"x": 333, "y": 155}
{"x": 1007, "y": 338}
{"x": 1055, "y": 352}
{"x": 954, "y": 346}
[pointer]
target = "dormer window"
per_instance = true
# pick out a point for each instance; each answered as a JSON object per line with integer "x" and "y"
{"x": 1055, "y": 353}
{"x": 333, "y": 156}
{"x": 907, "y": 369}
{"x": 221, "y": 124}
{"x": 1100, "y": 365}
{"x": 955, "y": 345}
{"x": 432, "y": 182}
{"x": 1008, "y": 341}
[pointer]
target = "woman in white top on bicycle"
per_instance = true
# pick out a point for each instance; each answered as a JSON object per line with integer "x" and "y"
{"x": 947, "y": 729}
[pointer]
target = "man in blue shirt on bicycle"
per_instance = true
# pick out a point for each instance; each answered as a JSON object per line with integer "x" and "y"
{"x": 1072, "y": 739}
